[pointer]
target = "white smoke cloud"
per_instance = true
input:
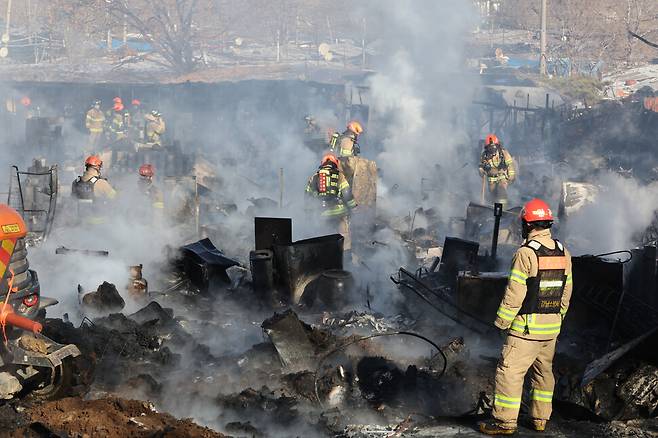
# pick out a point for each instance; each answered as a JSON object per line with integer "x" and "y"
{"x": 420, "y": 90}
{"x": 624, "y": 208}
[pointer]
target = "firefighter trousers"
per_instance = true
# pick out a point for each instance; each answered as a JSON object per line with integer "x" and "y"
{"x": 342, "y": 226}
{"x": 94, "y": 141}
{"x": 518, "y": 356}
{"x": 498, "y": 191}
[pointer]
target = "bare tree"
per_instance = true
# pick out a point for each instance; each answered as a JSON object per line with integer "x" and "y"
{"x": 589, "y": 29}
{"x": 166, "y": 24}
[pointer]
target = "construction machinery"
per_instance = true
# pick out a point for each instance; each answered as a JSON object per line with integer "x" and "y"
{"x": 31, "y": 364}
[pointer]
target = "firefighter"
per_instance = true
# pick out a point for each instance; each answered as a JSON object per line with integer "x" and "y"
{"x": 497, "y": 166}
{"x": 312, "y": 128}
{"x": 535, "y": 302}
{"x": 148, "y": 188}
{"x": 137, "y": 121}
{"x": 92, "y": 191}
{"x": 95, "y": 122}
{"x": 117, "y": 123}
{"x": 110, "y": 112}
{"x": 329, "y": 186}
{"x": 346, "y": 144}
{"x": 155, "y": 127}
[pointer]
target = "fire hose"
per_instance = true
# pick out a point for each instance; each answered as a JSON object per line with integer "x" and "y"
{"x": 365, "y": 338}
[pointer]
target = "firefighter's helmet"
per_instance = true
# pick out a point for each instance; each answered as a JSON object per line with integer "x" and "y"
{"x": 26, "y": 101}
{"x": 118, "y": 106}
{"x": 136, "y": 102}
{"x": 355, "y": 127}
{"x": 329, "y": 158}
{"x": 117, "y": 100}
{"x": 12, "y": 225}
{"x": 491, "y": 140}
{"x": 146, "y": 170}
{"x": 536, "y": 210}
{"x": 94, "y": 161}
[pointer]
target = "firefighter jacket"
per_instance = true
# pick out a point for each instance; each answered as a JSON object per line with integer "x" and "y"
{"x": 95, "y": 121}
{"x": 538, "y": 290}
{"x": 497, "y": 166}
{"x": 330, "y": 186}
{"x": 155, "y": 127}
{"x": 152, "y": 193}
{"x": 101, "y": 188}
{"x": 117, "y": 125}
{"x": 344, "y": 144}
{"x": 92, "y": 191}
{"x": 137, "y": 124}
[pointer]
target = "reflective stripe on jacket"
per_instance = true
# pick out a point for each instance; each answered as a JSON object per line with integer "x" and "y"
{"x": 336, "y": 195}
{"x": 500, "y": 166}
{"x": 95, "y": 120}
{"x": 525, "y": 265}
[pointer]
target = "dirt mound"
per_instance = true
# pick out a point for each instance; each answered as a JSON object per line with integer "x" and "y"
{"x": 108, "y": 417}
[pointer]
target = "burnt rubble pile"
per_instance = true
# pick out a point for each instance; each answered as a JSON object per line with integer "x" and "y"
{"x": 621, "y": 385}
{"x": 288, "y": 381}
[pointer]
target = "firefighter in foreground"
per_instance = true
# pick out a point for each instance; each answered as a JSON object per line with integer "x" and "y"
{"x": 92, "y": 191}
{"x": 346, "y": 144}
{"x": 329, "y": 186}
{"x": 148, "y": 188}
{"x": 497, "y": 166}
{"x": 95, "y": 122}
{"x": 535, "y": 302}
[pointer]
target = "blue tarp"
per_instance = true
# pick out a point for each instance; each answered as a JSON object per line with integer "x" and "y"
{"x": 559, "y": 67}
{"x": 133, "y": 44}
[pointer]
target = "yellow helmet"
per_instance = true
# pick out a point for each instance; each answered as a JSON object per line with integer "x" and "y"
{"x": 355, "y": 127}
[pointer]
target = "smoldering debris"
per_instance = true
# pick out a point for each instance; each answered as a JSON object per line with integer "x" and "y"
{"x": 106, "y": 299}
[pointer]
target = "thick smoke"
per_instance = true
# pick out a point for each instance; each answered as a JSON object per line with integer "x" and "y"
{"x": 623, "y": 210}
{"x": 420, "y": 90}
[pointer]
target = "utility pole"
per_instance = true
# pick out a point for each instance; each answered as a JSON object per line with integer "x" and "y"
{"x": 363, "y": 44}
{"x": 542, "y": 43}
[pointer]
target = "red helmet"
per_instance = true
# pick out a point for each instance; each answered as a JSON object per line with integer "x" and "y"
{"x": 329, "y": 158}
{"x": 491, "y": 139}
{"x": 118, "y": 106}
{"x": 136, "y": 102}
{"x": 94, "y": 160}
{"x": 536, "y": 210}
{"x": 26, "y": 101}
{"x": 146, "y": 170}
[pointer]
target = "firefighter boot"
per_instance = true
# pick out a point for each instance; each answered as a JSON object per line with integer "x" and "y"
{"x": 493, "y": 427}
{"x": 539, "y": 425}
